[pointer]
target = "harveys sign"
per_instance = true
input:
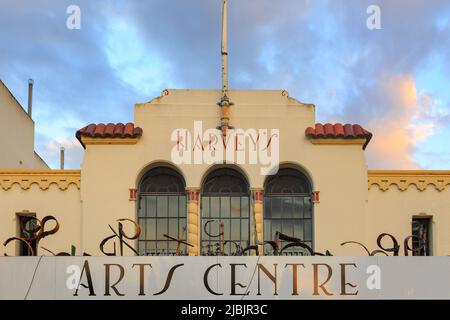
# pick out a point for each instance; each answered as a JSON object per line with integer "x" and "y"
{"x": 240, "y": 277}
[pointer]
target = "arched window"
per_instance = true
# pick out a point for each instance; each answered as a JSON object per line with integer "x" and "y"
{"x": 288, "y": 209}
{"x": 162, "y": 212}
{"x": 225, "y": 200}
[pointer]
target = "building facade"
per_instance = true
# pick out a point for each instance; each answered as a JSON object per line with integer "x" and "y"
{"x": 16, "y": 135}
{"x": 312, "y": 186}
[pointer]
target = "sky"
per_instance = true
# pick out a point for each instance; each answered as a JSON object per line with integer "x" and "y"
{"x": 394, "y": 81}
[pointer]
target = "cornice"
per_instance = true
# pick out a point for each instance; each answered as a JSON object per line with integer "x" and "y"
{"x": 384, "y": 179}
{"x": 402, "y": 179}
{"x": 43, "y": 178}
{"x": 95, "y": 140}
{"x": 337, "y": 141}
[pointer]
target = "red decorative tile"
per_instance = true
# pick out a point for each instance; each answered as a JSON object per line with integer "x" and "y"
{"x": 338, "y": 130}
{"x": 110, "y": 130}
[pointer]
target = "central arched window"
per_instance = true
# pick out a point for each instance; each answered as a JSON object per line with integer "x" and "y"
{"x": 225, "y": 200}
{"x": 162, "y": 212}
{"x": 287, "y": 209}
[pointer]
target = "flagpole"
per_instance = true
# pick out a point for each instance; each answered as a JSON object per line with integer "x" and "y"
{"x": 224, "y": 50}
{"x": 224, "y": 102}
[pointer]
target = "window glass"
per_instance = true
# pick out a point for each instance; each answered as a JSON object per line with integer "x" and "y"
{"x": 162, "y": 211}
{"x": 287, "y": 209}
{"x": 226, "y": 191}
{"x": 421, "y": 242}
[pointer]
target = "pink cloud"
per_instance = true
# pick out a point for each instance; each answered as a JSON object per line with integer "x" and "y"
{"x": 409, "y": 118}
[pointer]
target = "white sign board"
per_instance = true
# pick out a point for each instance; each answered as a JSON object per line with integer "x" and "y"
{"x": 212, "y": 278}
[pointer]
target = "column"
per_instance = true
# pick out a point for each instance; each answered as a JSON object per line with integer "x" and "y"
{"x": 258, "y": 211}
{"x": 193, "y": 221}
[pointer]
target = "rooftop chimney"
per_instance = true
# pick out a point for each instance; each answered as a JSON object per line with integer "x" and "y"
{"x": 62, "y": 158}
{"x": 30, "y": 96}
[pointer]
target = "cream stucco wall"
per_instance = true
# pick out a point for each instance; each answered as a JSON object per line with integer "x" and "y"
{"x": 346, "y": 211}
{"x": 38, "y": 162}
{"x": 392, "y": 211}
{"x": 64, "y": 205}
{"x": 16, "y": 135}
{"x": 338, "y": 172}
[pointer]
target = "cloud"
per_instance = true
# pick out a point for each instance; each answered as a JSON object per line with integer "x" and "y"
{"x": 74, "y": 82}
{"x": 320, "y": 51}
{"x": 393, "y": 142}
{"x": 73, "y": 152}
{"x": 410, "y": 119}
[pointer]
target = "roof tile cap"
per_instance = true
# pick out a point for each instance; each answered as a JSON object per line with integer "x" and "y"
{"x": 118, "y": 130}
{"x": 310, "y": 131}
{"x": 319, "y": 129}
{"x": 129, "y": 129}
{"x": 110, "y": 130}
{"x": 89, "y": 129}
{"x": 358, "y": 130}
{"x": 347, "y": 131}
{"x": 339, "y": 130}
{"x": 99, "y": 130}
{"x": 329, "y": 130}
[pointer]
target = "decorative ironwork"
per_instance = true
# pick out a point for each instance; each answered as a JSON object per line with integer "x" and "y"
{"x": 34, "y": 234}
{"x": 225, "y": 220}
{"x": 73, "y": 250}
{"x": 395, "y": 248}
{"x": 121, "y": 235}
{"x": 39, "y": 231}
{"x": 179, "y": 241}
{"x": 291, "y": 242}
{"x": 220, "y": 235}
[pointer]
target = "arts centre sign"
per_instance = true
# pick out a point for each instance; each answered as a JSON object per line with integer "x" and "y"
{"x": 212, "y": 278}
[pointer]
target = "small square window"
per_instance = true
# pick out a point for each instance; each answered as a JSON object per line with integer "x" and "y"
{"x": 421, "y": 231}
{"x": 26, "y": 230}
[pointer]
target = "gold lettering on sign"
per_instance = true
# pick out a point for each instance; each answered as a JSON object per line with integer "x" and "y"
{"x": 272, "y": 277}
{"x": 294, "y": 276}
{"x": 344, "y": 284}
{"x": 316, "y": 279}
{"x": 107, "y": 279}
{"x": 141, "y": 276}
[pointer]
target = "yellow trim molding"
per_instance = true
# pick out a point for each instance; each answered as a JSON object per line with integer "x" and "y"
{"x": 43, "y": 178}
{"x": 402, "y": 179}
{"x": 339, "y": 141}
{"x": 89, "y": 140}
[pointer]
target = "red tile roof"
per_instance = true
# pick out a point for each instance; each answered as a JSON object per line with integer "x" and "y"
{"x": 338, "y": 130}
{"x": 109, "y": 130}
